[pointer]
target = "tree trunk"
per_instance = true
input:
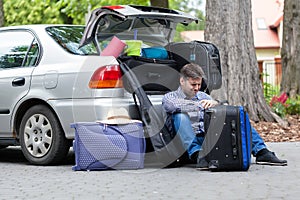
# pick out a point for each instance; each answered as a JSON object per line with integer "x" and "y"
{"x": 160, "y": 3}
{"x": 229, "y": 27}
{"x": 290, "y": 52}
{"x": 1, "y": 14}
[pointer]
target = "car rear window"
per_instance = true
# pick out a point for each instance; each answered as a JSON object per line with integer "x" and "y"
{"x": 151, "y": 31}
{"x": 69, "y": 38}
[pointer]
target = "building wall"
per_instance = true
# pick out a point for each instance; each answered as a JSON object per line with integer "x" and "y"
{"x": 267, "y": 54}
{"x": 269, "y": 64}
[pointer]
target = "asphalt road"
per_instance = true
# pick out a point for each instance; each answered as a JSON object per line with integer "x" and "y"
{"x": 20, "y": 180}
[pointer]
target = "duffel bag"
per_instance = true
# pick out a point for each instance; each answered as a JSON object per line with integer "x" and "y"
{"x": 101, "y": 146}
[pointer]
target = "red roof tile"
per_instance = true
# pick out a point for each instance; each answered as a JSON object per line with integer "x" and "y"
{"x": 270, "y": 11}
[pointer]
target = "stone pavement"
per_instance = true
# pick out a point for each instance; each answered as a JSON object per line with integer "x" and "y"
{"x": 19, "y": 180}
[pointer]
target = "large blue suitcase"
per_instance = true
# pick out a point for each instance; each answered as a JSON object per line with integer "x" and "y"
{"x": 99, "y": 146}
{"x": 228, "y": 140}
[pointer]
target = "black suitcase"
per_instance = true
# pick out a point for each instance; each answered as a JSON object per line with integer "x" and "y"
{"x": 227, "y": 143}
{"x": 154, "y": 75}
{"x": 202, "y": 53}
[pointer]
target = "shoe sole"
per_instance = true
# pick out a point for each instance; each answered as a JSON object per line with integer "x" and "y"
{"x": 202, "y": 168}
{"x": 272, "y": 164}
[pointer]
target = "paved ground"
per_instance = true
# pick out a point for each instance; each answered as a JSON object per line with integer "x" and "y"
{"x": 19, "y": 180}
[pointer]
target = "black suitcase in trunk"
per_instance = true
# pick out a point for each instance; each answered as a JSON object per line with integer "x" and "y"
{"x": 154, "y": 75}
{"x": 202, "y": 53}
{"x": 227, "y": 143}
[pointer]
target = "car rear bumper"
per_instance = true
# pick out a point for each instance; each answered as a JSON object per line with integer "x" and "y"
{"x": 84, "y": 110}
{"x": 90, "y": 110}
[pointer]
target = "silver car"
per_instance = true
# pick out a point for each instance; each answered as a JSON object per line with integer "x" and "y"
{"x": 53, "y": 75}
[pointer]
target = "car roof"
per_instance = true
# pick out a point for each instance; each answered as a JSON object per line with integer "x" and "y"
{"x": 34, "y": 26}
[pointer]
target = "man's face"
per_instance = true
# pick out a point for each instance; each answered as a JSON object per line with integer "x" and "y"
{"x": 190, "y": 86}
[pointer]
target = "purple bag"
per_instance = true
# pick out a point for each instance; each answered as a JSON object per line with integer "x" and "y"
{"x": 99, "y": 146}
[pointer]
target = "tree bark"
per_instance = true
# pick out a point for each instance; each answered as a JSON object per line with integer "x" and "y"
{"x": 160, "y": 3}
{"x": 1, "y": 14}
{"x": 290, "y": 52}
{"x": 229, "y": 27}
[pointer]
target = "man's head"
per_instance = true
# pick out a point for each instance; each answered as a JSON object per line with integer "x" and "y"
{"x": 190, "y": 79}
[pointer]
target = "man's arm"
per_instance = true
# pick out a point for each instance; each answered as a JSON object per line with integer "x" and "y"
{"x": 208, "y": 103}
{"x": 172, "y": 103}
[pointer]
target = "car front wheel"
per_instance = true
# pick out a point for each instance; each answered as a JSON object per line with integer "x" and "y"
{"x": 41, "y": 137}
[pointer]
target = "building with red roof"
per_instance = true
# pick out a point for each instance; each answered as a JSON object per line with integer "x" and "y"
{"x": 267, "y": 18}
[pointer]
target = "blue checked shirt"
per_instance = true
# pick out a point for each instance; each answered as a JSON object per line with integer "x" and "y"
{"x": 177, "y": 101}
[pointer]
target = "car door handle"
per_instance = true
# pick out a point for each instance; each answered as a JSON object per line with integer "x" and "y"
{"x": 18, "y": 82}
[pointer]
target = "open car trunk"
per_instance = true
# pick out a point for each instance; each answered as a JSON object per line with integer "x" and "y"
{"x": 153, "y": 29}
{"x": 149, "y": 24}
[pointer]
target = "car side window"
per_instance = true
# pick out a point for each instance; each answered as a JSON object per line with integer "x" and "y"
{"x": 15, "y": 47}
{"x": 33, "y": 54}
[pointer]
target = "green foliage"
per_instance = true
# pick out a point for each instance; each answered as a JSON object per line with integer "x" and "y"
{"x": 78, "y": 10}
{"x": 18, "y": 12}
{"x": 281, "y": 104}
{"x": 293, "y": 107}
{"x": 191, "y": 7}
{"x": 270, "y": 91}
{"x": 279, "y": 109}
{"x": 271, "y": 95}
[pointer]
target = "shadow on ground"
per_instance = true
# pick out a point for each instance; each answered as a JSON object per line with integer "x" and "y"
{"x": 15, "y": 155}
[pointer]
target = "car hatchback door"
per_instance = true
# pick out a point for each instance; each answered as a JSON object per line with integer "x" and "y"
{"x": 19, "y": 53}
{"x": 149, "y": 23}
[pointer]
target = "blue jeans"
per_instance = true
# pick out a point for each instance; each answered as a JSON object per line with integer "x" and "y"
{"x": 192, "y": 143}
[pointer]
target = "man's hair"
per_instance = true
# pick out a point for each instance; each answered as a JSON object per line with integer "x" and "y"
{"x": 192, "y": 70}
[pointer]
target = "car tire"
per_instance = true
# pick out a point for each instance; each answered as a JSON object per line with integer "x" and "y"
{"x": 41, "y": 137}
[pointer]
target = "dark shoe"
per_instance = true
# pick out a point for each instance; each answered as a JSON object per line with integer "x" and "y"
{"x": 269, "y": 158}
{"x": 194, "y": 157}
{"x": 202, "y": 164}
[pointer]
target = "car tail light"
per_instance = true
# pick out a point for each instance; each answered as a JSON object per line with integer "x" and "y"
{"x": 106, "y": 77}
{"x": 113, "y": 7}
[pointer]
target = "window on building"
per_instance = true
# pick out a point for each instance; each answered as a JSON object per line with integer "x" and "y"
{"x": 261, "y": 24}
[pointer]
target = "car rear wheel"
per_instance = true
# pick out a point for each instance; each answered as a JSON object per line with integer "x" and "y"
{"x": 41, "y": 137}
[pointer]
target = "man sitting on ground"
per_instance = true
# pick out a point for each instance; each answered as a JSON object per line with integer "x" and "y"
{"x": 188, "y": 99}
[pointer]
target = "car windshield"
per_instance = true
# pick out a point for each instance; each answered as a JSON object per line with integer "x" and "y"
{"x": 69, "y": 38}
{"x": 150, "y": 30}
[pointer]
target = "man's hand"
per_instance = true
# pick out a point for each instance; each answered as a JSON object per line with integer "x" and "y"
{"x": 208, "y": 103}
